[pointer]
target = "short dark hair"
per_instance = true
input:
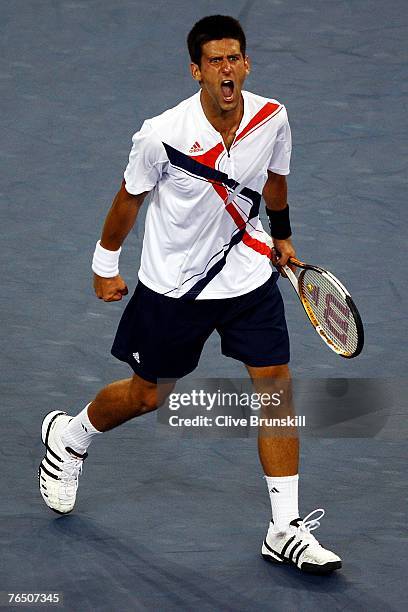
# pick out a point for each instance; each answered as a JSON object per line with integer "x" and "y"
{"x": 213, "y": 27}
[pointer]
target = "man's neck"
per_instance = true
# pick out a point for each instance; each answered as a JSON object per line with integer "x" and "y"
{"x": 224, "y": 122}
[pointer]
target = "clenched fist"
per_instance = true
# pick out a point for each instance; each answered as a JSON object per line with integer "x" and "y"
{"x": 110, "y": 289}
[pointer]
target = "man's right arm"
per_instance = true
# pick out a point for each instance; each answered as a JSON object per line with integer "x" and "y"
{"x": 118, "y": 223}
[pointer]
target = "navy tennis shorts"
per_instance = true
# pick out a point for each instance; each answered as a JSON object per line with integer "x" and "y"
{"x": 163, "y": 337}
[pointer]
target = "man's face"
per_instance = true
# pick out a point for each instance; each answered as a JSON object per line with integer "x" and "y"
{"x": 222, "y": 72}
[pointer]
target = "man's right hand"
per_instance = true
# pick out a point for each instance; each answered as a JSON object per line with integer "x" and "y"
{"x": 110, "y": 289}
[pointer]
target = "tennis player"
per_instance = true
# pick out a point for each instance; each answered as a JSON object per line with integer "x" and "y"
{"x": 205, "y": 266}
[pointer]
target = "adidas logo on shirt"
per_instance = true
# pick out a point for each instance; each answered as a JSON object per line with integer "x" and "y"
{"x": 136, "y": 357}
{"x": 196, "y": 148}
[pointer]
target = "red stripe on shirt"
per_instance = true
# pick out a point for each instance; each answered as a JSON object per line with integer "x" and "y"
{"x": 260, "y": 116}
{"x": 257, "y": 245}
{"x": 210, "y": 157}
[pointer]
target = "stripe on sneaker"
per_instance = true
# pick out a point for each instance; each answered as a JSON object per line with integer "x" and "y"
{"x": 288, "y": 543}
{"x": 294, "y": 548}
{"x": 49, "y": 450}
{"x": 299, "y": 554}
{"x": 42, "y": 467}
{"x": 49, "y": 426}
{"x": 78, "y": 455}
{"x": 275, "y": 552}
{"x": 52, "y": 464}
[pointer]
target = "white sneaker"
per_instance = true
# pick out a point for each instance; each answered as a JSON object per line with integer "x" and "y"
{"x": 299, "y": 547}
{"x": 60, "y": 468}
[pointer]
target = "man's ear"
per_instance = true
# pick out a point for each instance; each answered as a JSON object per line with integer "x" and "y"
{"x": 247, "y": 64}
{"x": 195, "y": 72}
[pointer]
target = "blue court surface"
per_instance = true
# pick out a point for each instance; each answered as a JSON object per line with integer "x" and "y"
{"x": 166, "y": 523}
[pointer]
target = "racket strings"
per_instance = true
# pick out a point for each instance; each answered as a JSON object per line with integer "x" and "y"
{"x": 327, "y": 304}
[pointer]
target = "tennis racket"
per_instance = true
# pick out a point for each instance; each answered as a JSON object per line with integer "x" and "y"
{"x": 328, "y": 306}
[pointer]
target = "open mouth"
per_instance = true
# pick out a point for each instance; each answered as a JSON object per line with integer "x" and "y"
{"x": 227, "y": 88}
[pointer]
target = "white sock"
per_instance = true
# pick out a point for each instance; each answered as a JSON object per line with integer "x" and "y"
{"x": 79, "y": 432}
{"x": 283, "y": 492}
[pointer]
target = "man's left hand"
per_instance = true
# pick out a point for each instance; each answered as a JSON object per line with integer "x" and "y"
{"x": 283, "y": 249}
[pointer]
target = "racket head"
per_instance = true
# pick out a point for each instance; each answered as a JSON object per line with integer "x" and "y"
{"x": 331, "y": 310}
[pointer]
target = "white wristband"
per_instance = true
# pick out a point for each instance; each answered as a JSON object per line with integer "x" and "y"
{"x": 105, "y": 263}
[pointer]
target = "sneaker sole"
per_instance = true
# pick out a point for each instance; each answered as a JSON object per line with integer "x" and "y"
{"x": 327, "y": 568}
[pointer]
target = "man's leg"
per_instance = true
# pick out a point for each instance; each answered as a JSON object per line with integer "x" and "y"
{"x": 121, "y": 401}
{"x": 278, "y": 447}
{"x": 115, "y": 404}
{"x": 67, "y": 438}
{"x": 288, "y": 538}
{"x": 279, "y": 455}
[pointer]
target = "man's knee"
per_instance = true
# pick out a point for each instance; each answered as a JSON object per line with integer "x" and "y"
{"x": 274, "y": 383}
{"x": 149, "y": 401}
{"x": 146, "y": 396}
{"x": 275, "y": 372}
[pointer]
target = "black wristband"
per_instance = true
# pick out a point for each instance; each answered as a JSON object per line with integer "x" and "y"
{"x": 279, "y": 223}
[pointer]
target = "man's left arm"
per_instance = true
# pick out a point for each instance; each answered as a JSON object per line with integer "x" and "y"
{"x": 275, "y": 194}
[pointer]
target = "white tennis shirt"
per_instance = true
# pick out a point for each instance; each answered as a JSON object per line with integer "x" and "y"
{"x": 197, "y": 243}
